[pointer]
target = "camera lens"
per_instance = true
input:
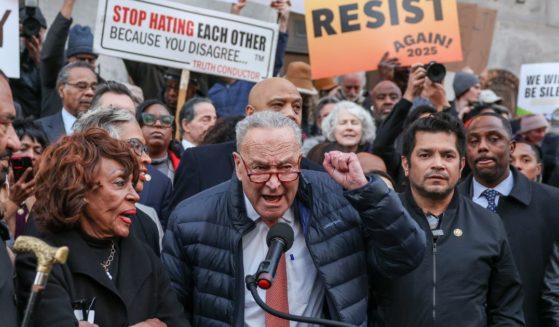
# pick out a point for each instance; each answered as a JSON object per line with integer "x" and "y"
{"x": 30, "y": 27}
{"x": 435, "y": 72}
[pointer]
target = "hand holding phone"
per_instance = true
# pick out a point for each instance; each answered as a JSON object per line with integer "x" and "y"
{"x": 19, "y": 166}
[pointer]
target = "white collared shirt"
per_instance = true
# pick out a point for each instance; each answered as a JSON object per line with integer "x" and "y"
{"x": 68, "y": 120}
{"x": 504, "y": 188}
{"x": 305, "y": 289}
{"x": 186, "y": 144}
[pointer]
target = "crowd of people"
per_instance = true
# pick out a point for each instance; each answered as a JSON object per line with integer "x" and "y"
{"x": 407, "y": 208}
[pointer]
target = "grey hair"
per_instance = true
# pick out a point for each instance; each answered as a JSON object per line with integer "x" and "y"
{"x": 64, "y": 73}
{"x": 368, "y": 127}
{"x": 266, "y": 119}
{"x": 188, "y": 110}
{"x": 362, "y": 76}
{"x": 105, "y": 118}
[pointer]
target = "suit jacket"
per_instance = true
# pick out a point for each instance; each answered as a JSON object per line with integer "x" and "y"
{"x": 205, "y": 166}
{"x": 157, "y": 194}
{"x": 53, "y": 126}
{"x": 139, "y": 291}
{"x": 8, "y": 310}
{"x": 529, "y": 214}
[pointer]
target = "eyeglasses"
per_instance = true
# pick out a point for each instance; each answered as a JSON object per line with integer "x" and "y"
{"x": 82, "y": 86}
{"x": 151, "y": 119}
{"x": 264, "y": 177}
{"x": 138, "y": 147}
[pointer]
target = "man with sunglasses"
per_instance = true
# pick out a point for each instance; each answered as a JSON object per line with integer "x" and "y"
{"x": 76, "y": 85}
{"x": 347, "y": 229}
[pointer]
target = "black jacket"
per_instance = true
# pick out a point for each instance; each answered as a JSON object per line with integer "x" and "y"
{"x": 550, "y": 294}
{"x": 384, "y": 144}
{"x": 53, "y": 126}
{"x": 351, "y": 236}
{"x": 141, "y": 290}
{"x": 52, "y": 60}
{"x": 529, "y": 214}
{"x": 205, "y": 166}
{"x": 467, "y": 277}
{"x": 157, "y": 194}
{"x": 8, "y": 312}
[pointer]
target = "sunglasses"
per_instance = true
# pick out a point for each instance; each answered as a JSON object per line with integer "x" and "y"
{"x": 151, "y": 119}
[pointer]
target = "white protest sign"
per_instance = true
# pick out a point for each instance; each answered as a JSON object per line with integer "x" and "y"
{"x": 9, "y": 37}
{"x": 538, "y": 92}
{"x": 297, "y": 6}
{"x": 175, "y": 35}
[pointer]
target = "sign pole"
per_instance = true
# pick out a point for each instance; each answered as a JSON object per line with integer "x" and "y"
{"x": 183, "y": 87}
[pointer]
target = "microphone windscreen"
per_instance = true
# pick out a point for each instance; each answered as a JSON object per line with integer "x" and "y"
{"x": 282, "y": 231}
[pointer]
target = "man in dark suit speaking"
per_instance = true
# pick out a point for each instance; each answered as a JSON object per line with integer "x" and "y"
{"x": 205, "y": 166}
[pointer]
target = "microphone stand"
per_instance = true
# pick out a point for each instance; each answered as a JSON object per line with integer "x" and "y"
{"x": 250, "y": 281}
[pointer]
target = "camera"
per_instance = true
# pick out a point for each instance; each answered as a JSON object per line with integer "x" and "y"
{"x": 435, "y": 71}
{"x": 30, "y": 25}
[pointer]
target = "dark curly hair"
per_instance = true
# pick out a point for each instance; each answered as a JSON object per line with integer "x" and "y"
{"x": 67, "y": 173}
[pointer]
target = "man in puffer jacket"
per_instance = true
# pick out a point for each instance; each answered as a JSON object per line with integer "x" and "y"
{"x": 348, "y": 230}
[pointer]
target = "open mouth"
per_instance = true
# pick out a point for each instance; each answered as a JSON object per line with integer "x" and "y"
{"x": 126, "y": 216}
{"x": 272, "y": 198}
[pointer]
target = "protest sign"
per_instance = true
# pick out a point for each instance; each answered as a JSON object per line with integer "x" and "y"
{"x": 175, "y": 35}
{"x": 539, "y": 89}
{"x": 477, "y": 25}
{"x": 352, "y": 35}
{"x": 9, "y": 38}
{"x": 297, "y": 6}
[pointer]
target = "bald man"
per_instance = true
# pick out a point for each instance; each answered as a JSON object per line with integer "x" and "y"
{"x": 384, "y": 96}
{"x": 9, "y": 142}
{"x": 205, "y": 166}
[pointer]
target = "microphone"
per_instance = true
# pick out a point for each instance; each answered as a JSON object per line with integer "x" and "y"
{"x": 279, "y": 239}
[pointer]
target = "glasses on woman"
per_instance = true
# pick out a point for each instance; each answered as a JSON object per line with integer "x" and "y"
{"x": 151, "y": 119}
{"x": 138, "y": 147}
{"x": 288, "y": 175}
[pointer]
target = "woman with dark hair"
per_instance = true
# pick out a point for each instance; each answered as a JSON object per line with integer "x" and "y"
{"x": 223, "y": 130}
{"x": 21, "y": 195}
{"x": 158, "y": 127}
{"x": 527, "y": 158}
{"x": 115, "y": 280}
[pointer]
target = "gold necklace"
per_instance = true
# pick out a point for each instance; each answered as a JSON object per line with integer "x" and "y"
{"x": 107, "y": 263}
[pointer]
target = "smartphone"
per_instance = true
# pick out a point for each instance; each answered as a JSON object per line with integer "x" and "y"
{"x": 19, "y": 165}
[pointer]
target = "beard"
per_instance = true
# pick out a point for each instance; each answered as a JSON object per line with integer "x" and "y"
{"x": 432, "y": 192}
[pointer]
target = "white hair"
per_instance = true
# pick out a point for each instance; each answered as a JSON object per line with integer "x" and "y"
{"x": 361, "y": 75}
{"x": 368, "y": 127}
{"x": 265, "y": 119}
{"x": 107, "y": 118}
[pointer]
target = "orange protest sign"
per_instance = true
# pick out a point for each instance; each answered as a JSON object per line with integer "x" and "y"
{"x": 352, "y": 35}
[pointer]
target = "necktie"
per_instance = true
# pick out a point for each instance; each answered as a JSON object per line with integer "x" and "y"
{"x": 490, "y": 195}
{"x": 276, "y": 296}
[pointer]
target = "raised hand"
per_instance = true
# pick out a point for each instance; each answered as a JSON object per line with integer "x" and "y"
{"x": 345, "y": 169}
{"x": 238, "y": 6}
{"x": 415, "y": 82}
